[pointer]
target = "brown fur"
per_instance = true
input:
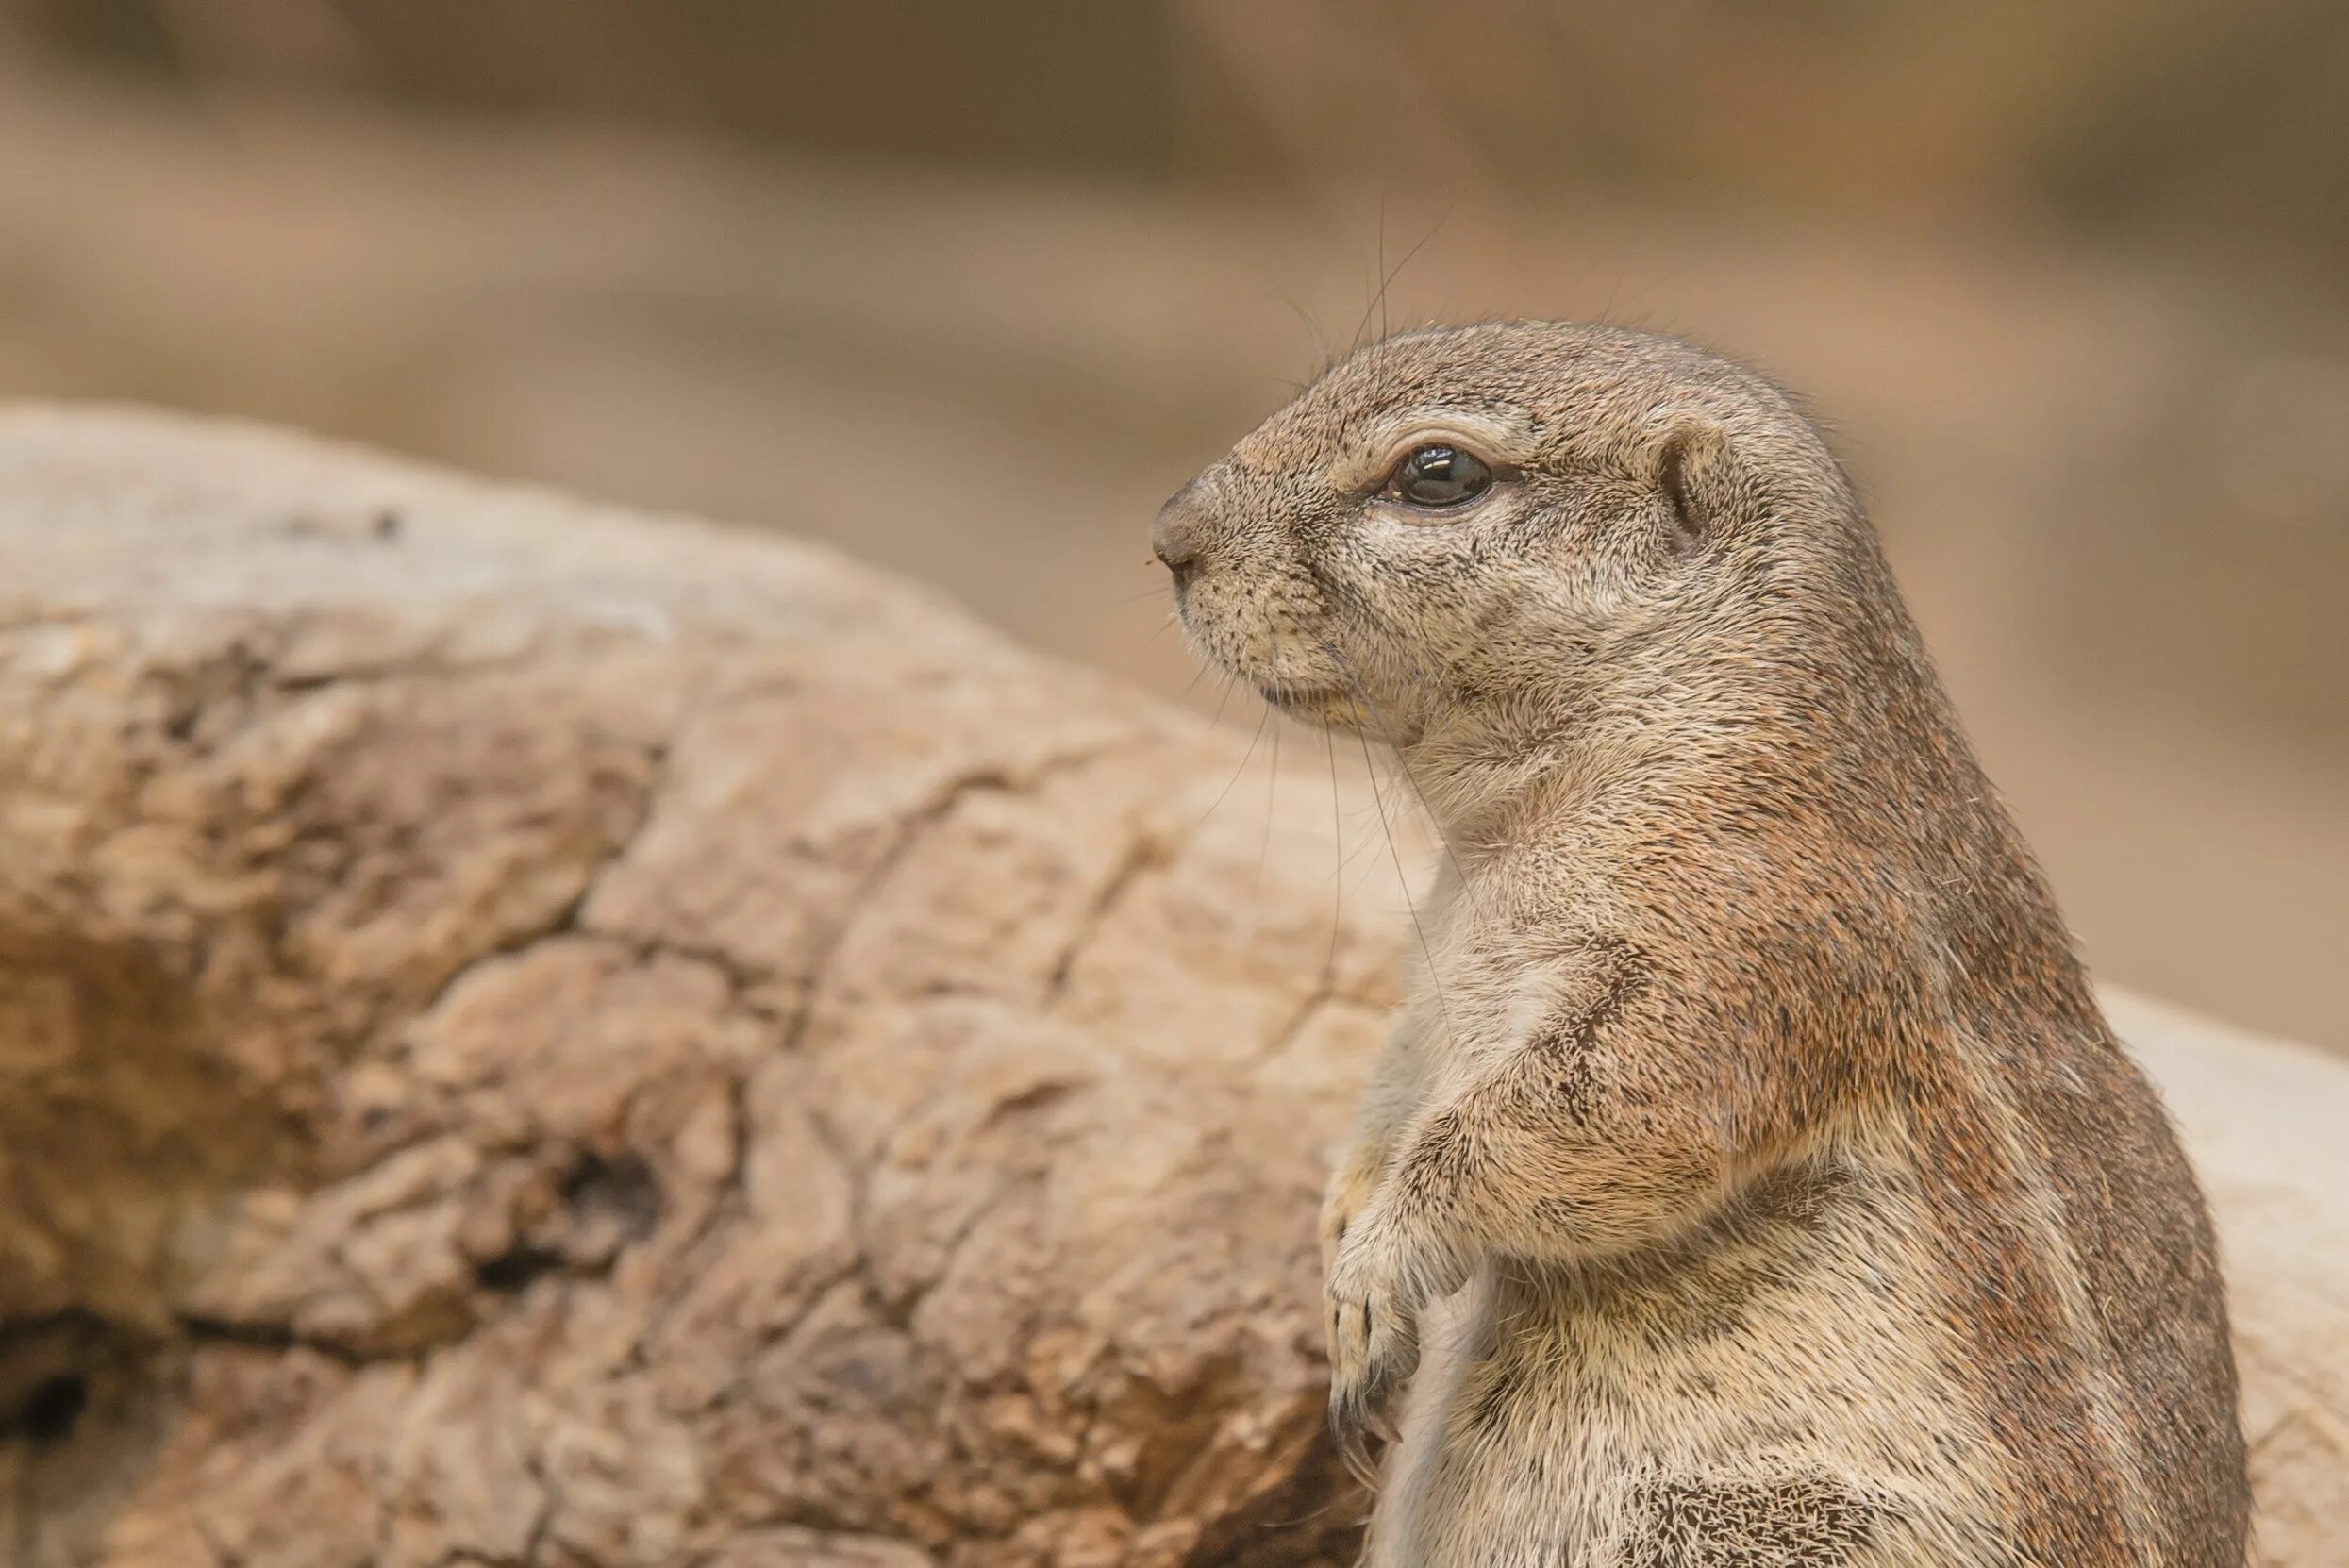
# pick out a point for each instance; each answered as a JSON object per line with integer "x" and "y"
{"x": 1807, "y": 1208}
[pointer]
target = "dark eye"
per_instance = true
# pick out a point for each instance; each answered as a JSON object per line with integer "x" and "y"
{"x": 1438, "y": 476}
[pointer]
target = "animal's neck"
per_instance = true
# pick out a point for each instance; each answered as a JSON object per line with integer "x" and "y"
{"x": 1834, "y": 722}
{"x": 1642, "y": 714}
{"x": 1837, "y": 762}
{"x": 1494, "y": 783}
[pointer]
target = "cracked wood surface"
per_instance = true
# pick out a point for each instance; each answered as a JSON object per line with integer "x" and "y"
{"x": 534, "y": 1035}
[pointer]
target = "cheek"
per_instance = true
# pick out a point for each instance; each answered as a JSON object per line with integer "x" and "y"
{"x": 1576, "y": 570}
{"x": 1505, "y": 604}
{"x": 1409, "y": 613}
{"x": 1620, "y": 544}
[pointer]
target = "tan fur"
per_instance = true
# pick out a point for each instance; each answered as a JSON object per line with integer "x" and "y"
{"x": 1794, "y": 1203}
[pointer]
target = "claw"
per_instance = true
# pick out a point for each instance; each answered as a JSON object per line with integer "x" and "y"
{"x": 1373, "y": 1345}
{"x": 1371, "y": 1358}
{"x": 1350, "y": 1417}
{"x": 1360, "y": 1412}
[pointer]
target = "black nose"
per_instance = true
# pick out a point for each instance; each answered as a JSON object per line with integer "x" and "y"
{"x": 1177, "y": 536}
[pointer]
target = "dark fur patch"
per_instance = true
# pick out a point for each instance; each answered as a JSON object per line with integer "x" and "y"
{"x": 1558, "y": 1057}
{"x": 1493, "y": 1396}
{"x": 1447, "y": 1155}
{"x": 1802, "y": 1521}
{"x": 1627, "y": 973}
{"x": 1705, "y": 1283}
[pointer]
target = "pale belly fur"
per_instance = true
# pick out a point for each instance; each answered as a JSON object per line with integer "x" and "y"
{"x": 1778, "y": 1395}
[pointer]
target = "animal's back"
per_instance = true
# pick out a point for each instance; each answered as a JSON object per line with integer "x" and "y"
{"x": 2101, "y": 1344}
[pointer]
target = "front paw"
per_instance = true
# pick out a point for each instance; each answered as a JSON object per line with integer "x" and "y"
{"x": 1351, "y": 1186}
{"x": 1376, "y": 1293}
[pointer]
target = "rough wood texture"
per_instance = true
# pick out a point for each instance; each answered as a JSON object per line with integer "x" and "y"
{"x": 532, "y": 1035}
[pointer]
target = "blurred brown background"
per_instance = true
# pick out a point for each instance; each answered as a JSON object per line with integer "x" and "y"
{"x": 968, "y": 289}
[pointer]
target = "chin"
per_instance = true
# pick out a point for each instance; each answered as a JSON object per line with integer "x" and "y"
{"x": 1327, "y": 708}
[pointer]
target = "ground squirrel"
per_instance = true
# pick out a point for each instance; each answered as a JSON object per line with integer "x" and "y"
{"x": 1807, "y": 1209}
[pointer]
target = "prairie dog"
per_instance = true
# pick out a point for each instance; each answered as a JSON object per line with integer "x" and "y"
{"x": 1801, "y": 1206}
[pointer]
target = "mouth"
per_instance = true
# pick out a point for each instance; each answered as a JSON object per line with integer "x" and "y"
{"x": 1329, "y": 705}
{"x": 1323, "y": 705}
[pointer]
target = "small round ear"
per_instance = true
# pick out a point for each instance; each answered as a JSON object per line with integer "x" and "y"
{"x": 1695, "y": 472}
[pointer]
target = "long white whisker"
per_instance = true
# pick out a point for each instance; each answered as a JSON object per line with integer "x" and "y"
{"x": 1338, "y": 869}
{"x": 1245, "y": 758}
{"x": 1264, "y": 844}
{"x": 1435, "y": 980}
{"x": 1362, "y": 695}
{"x": 1224, "y": 701}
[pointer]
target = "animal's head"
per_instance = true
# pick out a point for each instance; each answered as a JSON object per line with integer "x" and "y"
{"x": 1453, "y": 520}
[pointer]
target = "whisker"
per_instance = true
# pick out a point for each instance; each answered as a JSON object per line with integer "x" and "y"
{"x": 1320, "y": 339}
{"x": 1379, "y": 304}
{"x": 1378, "y": 296}
{"x": 1387, "y": 732}
{"x": 1224, "y": 701}
{"x": 1369, "y": 865}
{"x": 1245, "y": 758}
{"x": 1435, "y": 980}
{"x": 1305, "y": 1518}
{"x": 1264, "y": 844}
{"x": 1337, "y": 872}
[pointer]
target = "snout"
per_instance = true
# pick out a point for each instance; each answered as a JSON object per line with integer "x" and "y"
{"x": 1179, "y": 535}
